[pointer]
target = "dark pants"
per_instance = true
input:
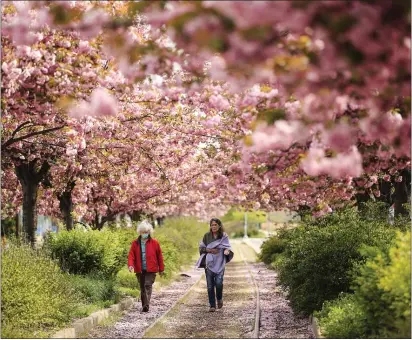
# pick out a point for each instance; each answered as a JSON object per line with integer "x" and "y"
{"x": 146, "y": 281}
{"x": 214, "y": 280}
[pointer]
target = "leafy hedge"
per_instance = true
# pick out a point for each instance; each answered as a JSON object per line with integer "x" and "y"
{"x": 342, "y": 318}
{"x": 94, "y": 290}
{"x": 315, "y": 260}
{"x": 85, "y": 252}
{"x": 35, "y": 295}
{"x": 38, "y": 297}
{"x": 381, "y": 304}
{"x": 274, "y": 246}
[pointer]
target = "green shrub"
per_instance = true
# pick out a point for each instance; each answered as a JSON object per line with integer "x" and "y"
{"x": 319, "y": 257}
{"x": 395, "y": 281}
{"x": 85, "y": 252}
{"x": 383, "y": 289}
{"x": 251, "y": 232}
{"x": 94, "y": 290}
{"x": 126, "y": 283}
{"x": 179, "y": 239}
{"x": 343, "y": 318}
{"x": 271, "y": 248}
{"x": 381, "y": 304}
{"x": 35, "y": 295}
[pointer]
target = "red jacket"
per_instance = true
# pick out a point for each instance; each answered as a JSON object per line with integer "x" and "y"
{"x": 154, "y": 257}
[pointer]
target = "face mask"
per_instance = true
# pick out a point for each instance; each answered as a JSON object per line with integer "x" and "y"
{"x": 145, "y": 236}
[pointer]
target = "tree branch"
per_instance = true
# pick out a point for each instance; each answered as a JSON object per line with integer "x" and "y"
{"x": 32, "y": 134}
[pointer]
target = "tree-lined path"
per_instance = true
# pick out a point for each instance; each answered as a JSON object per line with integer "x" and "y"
{"x": 118, "y": 111}
{"x": 190, "y": 318}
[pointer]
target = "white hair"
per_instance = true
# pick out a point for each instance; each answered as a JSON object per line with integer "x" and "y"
{"x": 144, "y": 226}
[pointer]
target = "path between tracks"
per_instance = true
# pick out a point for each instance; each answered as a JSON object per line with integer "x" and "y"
{"x": 189, "y": 317}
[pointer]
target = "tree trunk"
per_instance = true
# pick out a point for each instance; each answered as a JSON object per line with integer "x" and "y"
{"x": 66, "y": 205}
{"x": 17, "y": 225}
{"x": 99, "y": 221}
{"x": 135, "y": 215}
{"x": 30, "y": 211}
{"x": 100, "y": 224}
{"x": 30, "y": 179}
{"x": 402, "y": 192}
{"x": 95, "y": 221}
{"x": 152, "y": 221}
{"x": 361, "y": 198}
{"x": 385, "y": 191}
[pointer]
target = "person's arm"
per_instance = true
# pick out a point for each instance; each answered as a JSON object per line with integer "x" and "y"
{"x": 203, "y": 250}
{"x": 160, "y": 258}
{"x": 131, "y": 258}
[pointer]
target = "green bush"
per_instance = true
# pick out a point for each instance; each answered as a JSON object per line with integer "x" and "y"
{"x": 85, "y": 252}
{"x": 179, "y": 239}
{"x": 381, "y": 304}
{"x": 271, "y": 248}
{"x": 126, "y": 283}
{"x": 383, "y": 289}
{"x": 251, "y": 232}
{"x": 319, "y": 257}
{"x": 35, "y": 295}
{"x": 94, "y": 290}
{"x": 343, "y": 318}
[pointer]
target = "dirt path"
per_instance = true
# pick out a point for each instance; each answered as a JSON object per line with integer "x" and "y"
{"x": 134, "y": 323}
{"x": 277, "y": 319}
{"x": 190, "y": 318}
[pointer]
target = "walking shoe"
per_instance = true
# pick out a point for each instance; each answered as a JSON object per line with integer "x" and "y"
{"x": 145, "y": 309}
{"x": 219, "y": 304}
{"x": 212, "y": 309}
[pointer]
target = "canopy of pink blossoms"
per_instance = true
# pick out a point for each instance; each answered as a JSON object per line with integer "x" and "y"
{"x": 190, "y": 107}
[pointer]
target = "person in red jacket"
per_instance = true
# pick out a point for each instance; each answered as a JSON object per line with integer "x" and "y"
{"x": 145, "y": 259}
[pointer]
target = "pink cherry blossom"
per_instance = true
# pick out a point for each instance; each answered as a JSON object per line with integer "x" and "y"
{"x": 219, "y": 102}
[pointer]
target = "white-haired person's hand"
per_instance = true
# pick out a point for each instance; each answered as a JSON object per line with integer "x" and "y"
{"x": 226, "y": 252}
{"x": 131, "y": 269}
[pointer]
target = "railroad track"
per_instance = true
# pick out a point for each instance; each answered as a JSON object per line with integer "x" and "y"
{"x": 258, "y": 311}
{"x": 239, "y": 317}
{"x": 254, "y": 307}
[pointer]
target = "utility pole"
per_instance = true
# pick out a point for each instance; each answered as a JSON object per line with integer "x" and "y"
{"x": 245, "y": 233}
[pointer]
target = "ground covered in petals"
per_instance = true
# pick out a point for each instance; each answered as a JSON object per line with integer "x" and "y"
{"x": 190, "y": 318}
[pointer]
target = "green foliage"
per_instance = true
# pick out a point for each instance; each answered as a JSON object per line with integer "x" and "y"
{"x": 381, "y": 304}
{"x": 236, "y": 228}
{"x": 251, "y": 232}
{"x": 343, "y": 318}
{"x": 38, "y": 298}
{"x": 234, "y": 214}
{"x": 383, "y": 289}
{"x": 8, "y": 227}
{"x": 126, "y": 283}
{"x": 271, "y": 248}
{"x": 94, "y": 290}
{"x": 319, "y": 256}
{"x": 179, "y": 239}
{"x": 85, "y": 252}
{"x": 35, "y": 294}
{"x": 374, "y": 211}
